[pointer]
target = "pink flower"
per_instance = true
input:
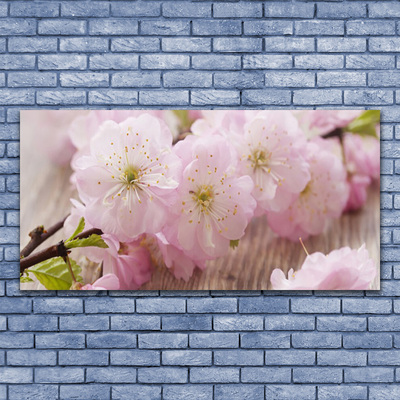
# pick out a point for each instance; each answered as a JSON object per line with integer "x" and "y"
{"x": 130, "y": 177}
{"x": 106, "y": 282}
{"x": 343, "y": 269}
{"x": 272, "y": 154}
{"x": 129, "y": 261}
{"x": 358, "y": 185}
{"x": 180, "y": 264}
{"x": 51, "y": 132}
{"x": 325, "y": 121}
{"x": 215, "y": 205}
{"x": 323, "y": 199}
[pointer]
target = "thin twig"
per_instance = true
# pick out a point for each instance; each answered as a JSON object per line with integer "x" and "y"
{"x": 39, "y": 235}
{"x": 57, "y": 250}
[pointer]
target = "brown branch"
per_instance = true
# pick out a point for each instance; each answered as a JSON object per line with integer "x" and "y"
{"x": 57, "y": 250}
{"x": 39, "y": 235}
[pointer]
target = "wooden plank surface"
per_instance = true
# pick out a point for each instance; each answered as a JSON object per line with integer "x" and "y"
{"x": 45, "y": 194}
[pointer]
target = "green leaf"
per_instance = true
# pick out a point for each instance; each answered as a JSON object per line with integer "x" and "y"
{"x": 54, "y": 273}
{"x": 25, "y": 279}
{"x": 79, "y": 229}
{"x": 91, "y": 241}
{"x": 234, "y": 243}
{"x": 365, "y": 124}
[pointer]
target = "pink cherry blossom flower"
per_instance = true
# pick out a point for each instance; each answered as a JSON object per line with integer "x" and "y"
{"x": 130, "y": 261}
{"x": 342, "y": 269}
{"x": 51, "y": 132}
{"x": 175, "y": 259}
{"x": 130, "y": 177}
{"x": 323, "y": 199}
{"x": 215, "y": 205}
{"x": 272, "y": 154}
{"x": 106, "y": 282}
{"x": 324, "y": 121}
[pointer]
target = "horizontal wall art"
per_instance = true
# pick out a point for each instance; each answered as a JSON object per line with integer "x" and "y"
{"x": 200, "y": 200}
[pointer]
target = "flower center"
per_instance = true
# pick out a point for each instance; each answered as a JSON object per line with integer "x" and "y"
{"x": 259, "y": 158}
{"x": 131, "y": 174}
{"x": 204, "y": 196}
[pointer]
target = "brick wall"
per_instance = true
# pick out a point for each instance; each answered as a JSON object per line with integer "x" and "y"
{"x": 199, "y": 345}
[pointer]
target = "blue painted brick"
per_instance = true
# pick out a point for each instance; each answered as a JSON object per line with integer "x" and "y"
{"x": 178, "y": 9}
{"x": 186, "y": 79}
{"x": 290, "y": 357}
{"x": 13, "y": 151}
{"x": 186, "y": 357}
{"x": 342, "y": 392}
{"x": 37, "y": 392}
{"x": 193, "y": 45}
{"x": 162, "y": 375}
{"x": 238, "y": 357}
{"x": 341, "y": 45}
{"x": 289, "y": 392}
{"x": 84, "y": 9}
{"x": 31, "y": 357}
{"x": 60, "y": 341}
{"x": 247, "y": 10}
{"x": 62, "y": 61}
{"x": 288, "y": 10}
{"x": 136, "y": 79}
{"x": 368, "y": 374}
{"x": 216, "y": 27}
{"x": 16, "y": 375}
{"x": 162, "y": 28}
{"x": 345, "y": 10}
{"x": 263, "y": 305}
{"x": 366, "y": 306}
{"x": 318, "y": 27}
{"x": 179, "y": 392}
{"x": 212, "y": 305}
{"x": 384, "y": 357}
{"x": 289, "y": 79}
{"x": 100, "y": 306}
{"x": 158, "y": 98}
{"x": 84, "y": 323}
{"x": 128, "y": 392}
{"x": 319, "y": 61}
{"x": 57, "y": 306}
{"x": 31, "y": 45}
{"x": 266, "y": 375}
{"x": 92, "y": 391}
{"x": 89, "y": 45}
{"x": 220, "y": 97}
{"x": 34, "y": 79}
{"x": 111, "y": 375}
{"x": 113, "y": 61}
{"x": 241, "y": 323}
{"x": 341, "y": 323}
{"x": 316, "y": 340}
{"x": 214, "y": 375}
{"x": 36, "y": 9}
{"x": 59, "y": 375}
{"x": 214, "y": 340}
{"x": 113, "y": 27}
{"x": 32, "y": 323}
{"x": 261, "y": 340}
{"x": 186, "y": 323}
{"x": 164, "y": 306}
{"x": 129, "y": 9}
{"x": 16, "y": 340}
{"x": 17, "y": 61}
{"x": 135, "y": 357}
{"x": 368, "y": 97}
{"x": 84, "y": 79}
{"x": 365, "y": 27}
{"x": 385, "y": 323}
{"x": 384, "y": 10}
{"x": 237, "y": 45}
{"x": 325, "y": 306}
{"x": 19, "y": 26}
{"x": 64, "y": 97}
{"x": 370, "y": 61}
{"x": 214, "y": 62}
{"x": 110, "y": 340}
{"x": 61, "y": 27}
{"x": 235, "y": 392}
{"x": 260, "y": 96}
{"x": 83, "y": 357}
{"x": 138, "y": 44}
{"x": 164, "y": 61}
{"x": 317, "y": 375}
{"x": 342, "y": 358}
{"x": 367, "y": 341}
{"x": 289, "y": 323}
{"x": 387, "y": 44}
{"x": 126, "y": 97}
{"x": 261, "y": 28}
{"x": 285, "y": 45}
{"x": 163, "y": 340}
{"x": 265, "y": 61}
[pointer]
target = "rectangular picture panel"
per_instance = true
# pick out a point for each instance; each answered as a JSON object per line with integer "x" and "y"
{"x": 200, "y": 200}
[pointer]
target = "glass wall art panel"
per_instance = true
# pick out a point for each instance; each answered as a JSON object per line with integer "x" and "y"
{"x": 200, "y": 200}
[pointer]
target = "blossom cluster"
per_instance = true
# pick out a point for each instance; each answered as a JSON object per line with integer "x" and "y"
{"x": 181, "y": 187}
